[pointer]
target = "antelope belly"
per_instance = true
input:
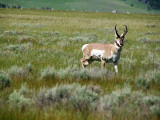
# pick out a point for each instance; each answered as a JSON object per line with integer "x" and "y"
{"x": 97, "y": 54}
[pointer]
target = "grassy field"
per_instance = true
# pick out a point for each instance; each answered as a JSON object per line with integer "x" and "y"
{"x": 122, "y": 6}
{"x": 41, "y": 76}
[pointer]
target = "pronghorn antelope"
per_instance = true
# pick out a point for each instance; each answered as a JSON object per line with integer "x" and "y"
{"x": 103, "y": 52}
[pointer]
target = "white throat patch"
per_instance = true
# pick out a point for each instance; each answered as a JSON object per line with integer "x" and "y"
{"x": 118, "y": 44}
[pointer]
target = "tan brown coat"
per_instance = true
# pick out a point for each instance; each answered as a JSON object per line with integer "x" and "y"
{"x": 104, "y": 52}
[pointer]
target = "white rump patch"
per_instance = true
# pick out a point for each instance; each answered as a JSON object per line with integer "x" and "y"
{"x": 97, "y": 53}
{"x": 84, "y": 46}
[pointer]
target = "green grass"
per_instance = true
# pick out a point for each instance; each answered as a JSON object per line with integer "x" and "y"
{"x": 85, "y": 5}
{"x": 33, "y": 40}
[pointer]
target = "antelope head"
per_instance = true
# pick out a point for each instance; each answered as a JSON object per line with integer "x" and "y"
{"x": 120, "y": 38}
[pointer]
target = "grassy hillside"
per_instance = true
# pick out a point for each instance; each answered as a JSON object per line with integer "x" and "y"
{"x": 121, "y": 6}
{"x": 41, "y": 76}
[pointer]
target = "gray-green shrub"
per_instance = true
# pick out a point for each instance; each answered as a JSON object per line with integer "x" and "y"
{"x": 24, "y": 90}
{"x": 151, "y": 76}
{"x": 4, "y": 80}
{"x": 155, "y": 109}
{"x": 81, "y": 74}
{"x": 29, "y": 67}
{"x": 73, "y": 95}
{"x": 25, "y": 39}
{"x": 153, "y": 102}
{"x": 155, "y": 76}
{"x": 12, "y": 33}
{"x": 116, "y": 98}
{"x": 142, "y": 82}
{"x": 20, "y": 47}
{"x": 25, "y": 47}
{"x": 84, "y": 99}
{"x": 86, "y": 74}
{"x": 17, "y": 100}
{"x": 56, "y": 96}
{"x": 16, "y": 71}
{"x": 12, "y": 47}
{"x": 126, "y": 101}
{"x": 63, "y": 73}
{"x": 48, "y": 73}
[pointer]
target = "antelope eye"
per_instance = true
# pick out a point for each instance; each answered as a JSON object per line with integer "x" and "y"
{"x": 122, "y": 38}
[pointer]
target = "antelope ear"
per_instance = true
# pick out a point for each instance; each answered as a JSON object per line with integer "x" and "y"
{"x": 122, "y": 35}
{"x": 115, "y": 35}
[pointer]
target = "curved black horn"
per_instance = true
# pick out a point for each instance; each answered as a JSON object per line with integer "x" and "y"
{"x": 125, "y": 32}
{"x": 116, "y": 31}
